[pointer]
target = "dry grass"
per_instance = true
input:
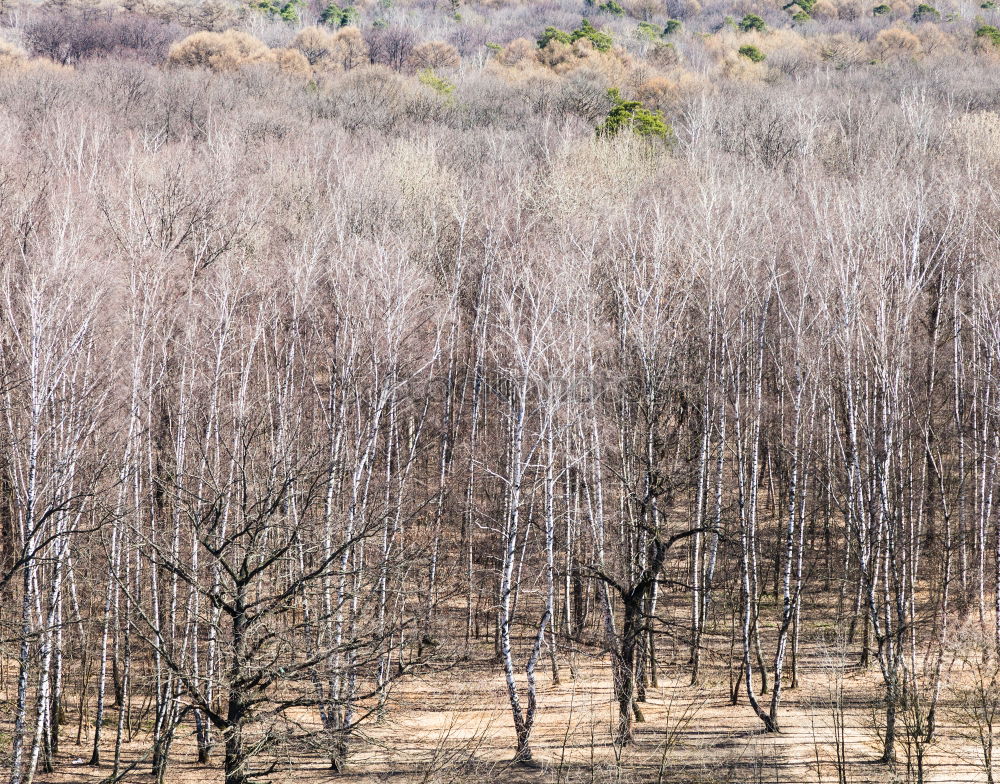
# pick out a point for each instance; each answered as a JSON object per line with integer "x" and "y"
{"x": 453, "y": 725}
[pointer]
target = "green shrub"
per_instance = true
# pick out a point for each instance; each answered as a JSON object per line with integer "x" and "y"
{"x": 990, "y": 33}
{"x": 989, "y": 5}
{"x": 602, "y": 41}
{"x": 648, "y": 31}
{"x": 881, "y": 10}
{"x": 926, "y": 13}
{"x": 335, "y": 16}
{"x": 752, "y": 53}
{"x": 441, "y": 86}
{"x": 672, "y": 26}
{"x": 553, "y": 34}
{"x": 752, "y": 22}
{"x": 799, "y": 5}
{"x": 800, "y": 10}
{"x": 633, "y": 116}
{"x": 611, "y": 7}
{"x": 286, "y": 10}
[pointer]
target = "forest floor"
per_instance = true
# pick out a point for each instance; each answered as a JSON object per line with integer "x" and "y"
{"x": 454, "y": 725}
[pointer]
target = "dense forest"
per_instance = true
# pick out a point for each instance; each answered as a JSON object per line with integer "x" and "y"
{"x": 499, "y": 391}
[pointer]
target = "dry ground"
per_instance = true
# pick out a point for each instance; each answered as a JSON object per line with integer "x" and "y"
{"x": 454, "y": 725}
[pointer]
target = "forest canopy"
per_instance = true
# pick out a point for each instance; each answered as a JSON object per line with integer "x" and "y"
{"x": 499, "y": 391}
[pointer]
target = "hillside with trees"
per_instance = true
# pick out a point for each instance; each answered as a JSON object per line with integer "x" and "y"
{"x": 499, "y": 391}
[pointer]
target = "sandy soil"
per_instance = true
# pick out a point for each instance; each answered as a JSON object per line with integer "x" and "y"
{"x": 454, "y": 725}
